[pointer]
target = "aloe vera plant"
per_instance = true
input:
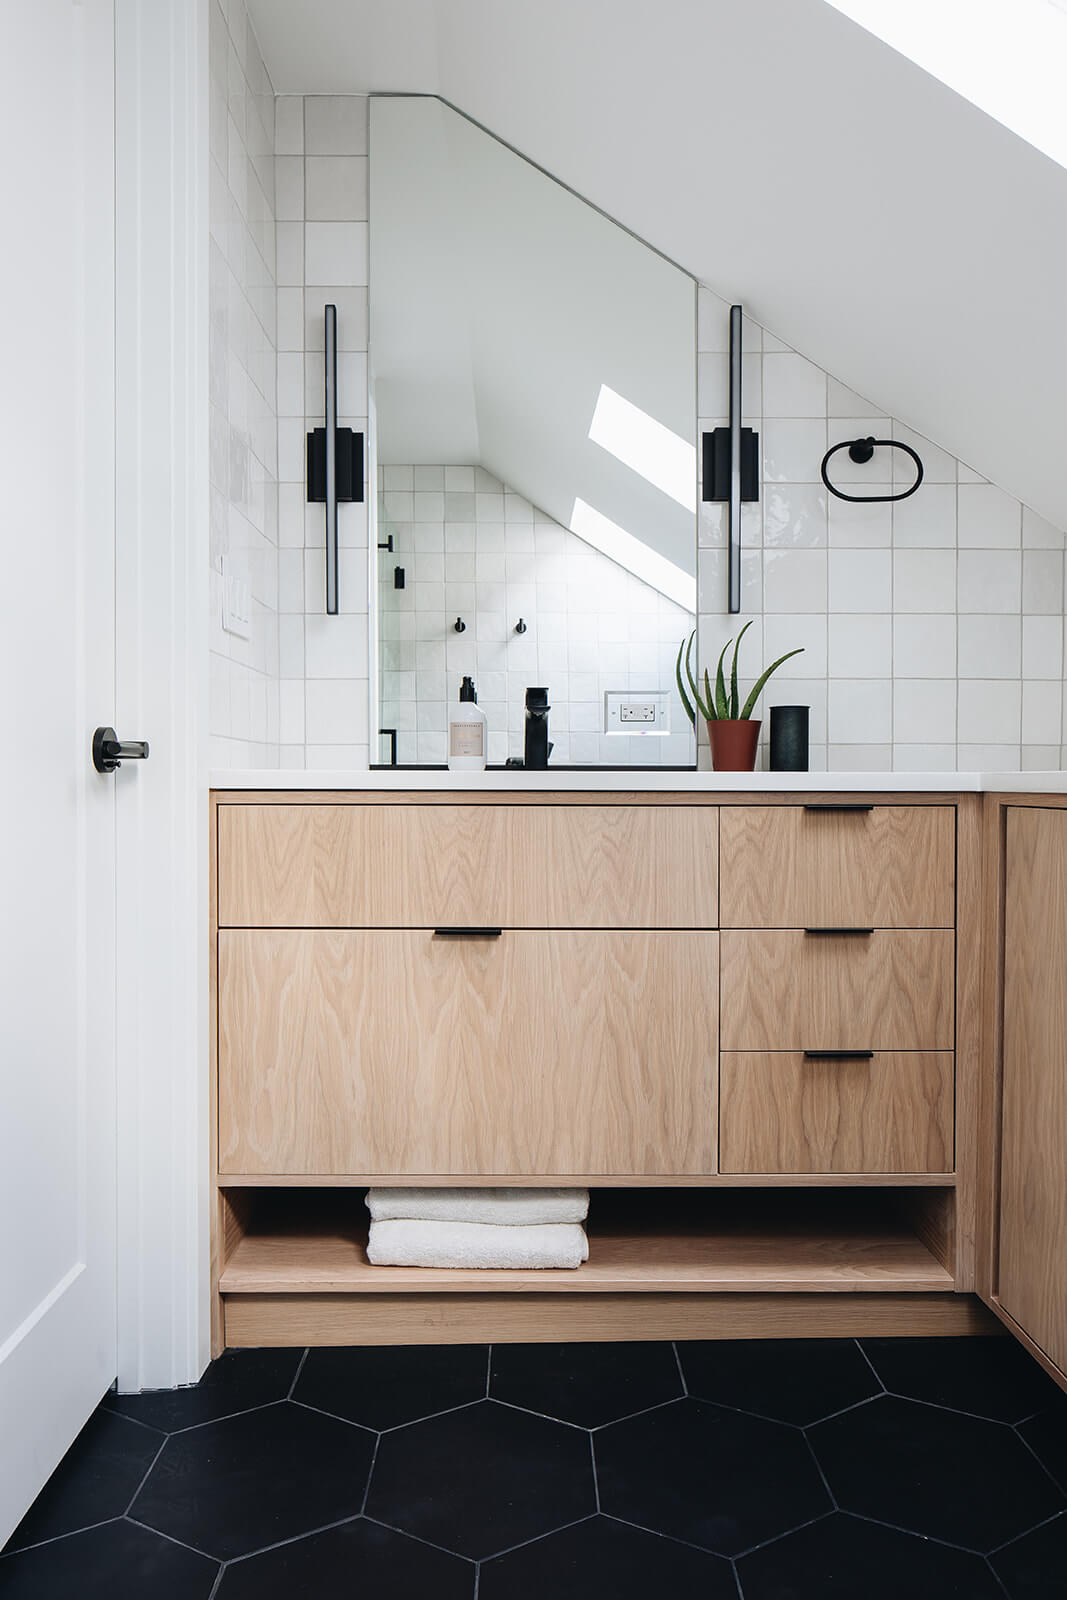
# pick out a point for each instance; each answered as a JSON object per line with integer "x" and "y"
{"x": 719, "y": 704}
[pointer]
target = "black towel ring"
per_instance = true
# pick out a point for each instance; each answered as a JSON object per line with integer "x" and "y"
{"x": 861, "y": 450}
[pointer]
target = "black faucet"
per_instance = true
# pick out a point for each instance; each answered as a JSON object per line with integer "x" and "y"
{"x": 537, "y": 746}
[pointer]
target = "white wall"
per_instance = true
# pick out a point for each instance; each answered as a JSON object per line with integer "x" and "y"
{"x": 933, "y": 630}
{"x": 243, "y": 417}
{"x": 470, "y": 546}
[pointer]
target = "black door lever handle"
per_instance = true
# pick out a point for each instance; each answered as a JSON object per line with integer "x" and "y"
{"x": 109, "y": 751}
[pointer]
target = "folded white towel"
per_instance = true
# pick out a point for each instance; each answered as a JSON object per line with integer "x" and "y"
{"x": 507, "y": 1206}
{"x": 409, "y": 1243}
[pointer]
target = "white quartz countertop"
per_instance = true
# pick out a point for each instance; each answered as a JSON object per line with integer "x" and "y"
{"x": 631, "y": 782}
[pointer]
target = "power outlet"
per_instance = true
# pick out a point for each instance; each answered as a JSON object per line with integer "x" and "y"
{"x": 636, "y": 711}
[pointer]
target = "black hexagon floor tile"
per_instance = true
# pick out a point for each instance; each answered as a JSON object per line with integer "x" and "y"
{"x": 988, "y": 1376}
{"x": 846, "y": 1558}
{"x": 791, "y": 1380}
{"x": 1046, "y": 1434}
{"x": 1035, "y": 1566}
{"x": 359, "y": 1559}
{"x": 715, "y": 1478}
{"x": 480, "y": 1480}
{"x": 588, "y": 1384}
{"x": 236, "y": 1486}
{"x": 97, "y": 1479}
{"x": 237, "y": 1381}
{"x": 958, "y": 1478}
{"x": 604, "y": 1558}
{"x": 118, "y": 1561}
{"x": 384, "y": 1386}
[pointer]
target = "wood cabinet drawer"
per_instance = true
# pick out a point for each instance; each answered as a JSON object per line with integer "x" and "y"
{"x": 794, "y": 866}
{"x": 425, "y": 866}
{"x": 781, "y": 1113}
{"x": 783, "y": 989}
{"x": 404, "y": 1053}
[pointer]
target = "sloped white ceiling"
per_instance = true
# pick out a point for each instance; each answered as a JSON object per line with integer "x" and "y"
{"x": 858, "y": 207}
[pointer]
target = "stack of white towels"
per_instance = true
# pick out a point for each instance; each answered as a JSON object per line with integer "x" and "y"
{"x": 477, "y": 1227}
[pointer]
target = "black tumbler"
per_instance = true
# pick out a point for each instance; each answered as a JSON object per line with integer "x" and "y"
{"x": 789, "y": 738}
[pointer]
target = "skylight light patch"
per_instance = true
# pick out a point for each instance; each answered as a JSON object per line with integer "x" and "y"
{"x": 633, "y": 554}
{"x": 652, "y": 450}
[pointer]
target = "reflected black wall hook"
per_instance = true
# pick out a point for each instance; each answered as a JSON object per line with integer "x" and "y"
{"x": 860, "y": 451}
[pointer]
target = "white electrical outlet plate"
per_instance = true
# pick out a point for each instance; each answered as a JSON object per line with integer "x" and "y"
{"x": 236, "y": 602}
{"x": 633, "y": 711}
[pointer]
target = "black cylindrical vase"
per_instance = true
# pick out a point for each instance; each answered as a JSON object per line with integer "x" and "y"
{"x": 789, "y": 739}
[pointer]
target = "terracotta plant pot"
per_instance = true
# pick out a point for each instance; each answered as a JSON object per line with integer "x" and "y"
{"x": 733, "y": 744}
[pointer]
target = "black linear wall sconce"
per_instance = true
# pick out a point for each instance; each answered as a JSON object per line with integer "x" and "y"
{"x": 334, "y": 462}
{"x": 730, "y": 463}
{"x": 860, "y": 451}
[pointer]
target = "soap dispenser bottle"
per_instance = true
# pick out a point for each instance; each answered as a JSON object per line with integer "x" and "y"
{"x": 467, "y": 737}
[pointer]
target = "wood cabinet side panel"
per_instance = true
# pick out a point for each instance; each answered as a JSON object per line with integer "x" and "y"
{"x": 1033, "y": 1196}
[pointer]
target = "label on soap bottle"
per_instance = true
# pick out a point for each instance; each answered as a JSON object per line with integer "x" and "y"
{"x": 466, "y": 739}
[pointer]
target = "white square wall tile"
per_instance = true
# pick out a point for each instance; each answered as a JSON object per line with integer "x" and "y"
{"x": 336, "y": 189}
{"x": 990, "y": 646}
{"x": 289, "y": 188}
{"x": 938, "y": 465}
{"x": 335, "y": 125}
{"x": 924, "y": 711}
{"x": 289, "y": 125}
{"x": 793, "y": 449}
{"x": 990, "y": 712}
{"x": 1042, "y": 647}
{"x": 924, "y": 646}
{"x": 924, "y": 580}
{"x": 791, "y": 631}
{"x": 793, "y": 580}
{"x": 927, "y": 519}
{"x": 861, "y": 527}
{"x": 860, "y": 711}
{"x": 861, "y": 646}
{"x": 793, "y": 387}
{"x": 336, "y": 711}
{"x": 1039, "y": 534}
{"x": 335, "y": 253}
{"x": 924, "y": 757}
{"x": 336, "y": 647}
{"x": 989, "y": 519}
{"x": 1043, "y": 582}
{"x": 990, "y": 580}
{"x": 859, "y": 758}
{"x": 794, "y": 516}
{"x": 1042, "y": 710}
{"x": 861, "y": 580}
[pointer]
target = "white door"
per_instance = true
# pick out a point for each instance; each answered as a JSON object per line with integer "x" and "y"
{"x": 57, "y": 815}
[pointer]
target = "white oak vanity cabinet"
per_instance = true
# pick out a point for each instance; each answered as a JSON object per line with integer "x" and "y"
{"x": 750, "y": 1023}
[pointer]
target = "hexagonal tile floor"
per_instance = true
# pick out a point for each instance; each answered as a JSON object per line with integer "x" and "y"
{"x": 769, "y": 1470}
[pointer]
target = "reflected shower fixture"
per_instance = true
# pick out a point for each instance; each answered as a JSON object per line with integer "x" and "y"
{"x": 334, "y": 460}
{"x": 730, "y": 464}
{"x": 861, "y": 451}
{"x": 459, "y": 626}
{"x": 520, "y": 626}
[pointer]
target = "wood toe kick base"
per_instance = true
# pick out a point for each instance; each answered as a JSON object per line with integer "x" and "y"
{"x": 384, "y": 1319}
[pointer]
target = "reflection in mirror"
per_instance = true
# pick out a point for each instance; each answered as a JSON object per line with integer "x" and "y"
{"x": 533, "y": 427}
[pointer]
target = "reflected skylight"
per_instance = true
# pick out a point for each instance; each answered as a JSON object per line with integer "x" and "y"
{"x": 650, "y": 449}
{"x": 633, "y": 554}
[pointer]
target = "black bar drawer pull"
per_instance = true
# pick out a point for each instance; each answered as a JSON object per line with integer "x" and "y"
{"x": 838, "y": 1055}
{"x": 837, "y": 806}
{"x": 467, "y": 933}
{"x": 863, "y": 933}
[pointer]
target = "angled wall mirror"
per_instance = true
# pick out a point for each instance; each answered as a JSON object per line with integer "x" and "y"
{"x": 533, "y": 441}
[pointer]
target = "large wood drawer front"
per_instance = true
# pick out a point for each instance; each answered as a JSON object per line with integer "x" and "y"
{"x": 535, "y": 1054}
{"x": 417, "y": 866}
{"x": 787, "y": 990}
{"x": 787, "y": 867}
{"x": 782, "y": 1113}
